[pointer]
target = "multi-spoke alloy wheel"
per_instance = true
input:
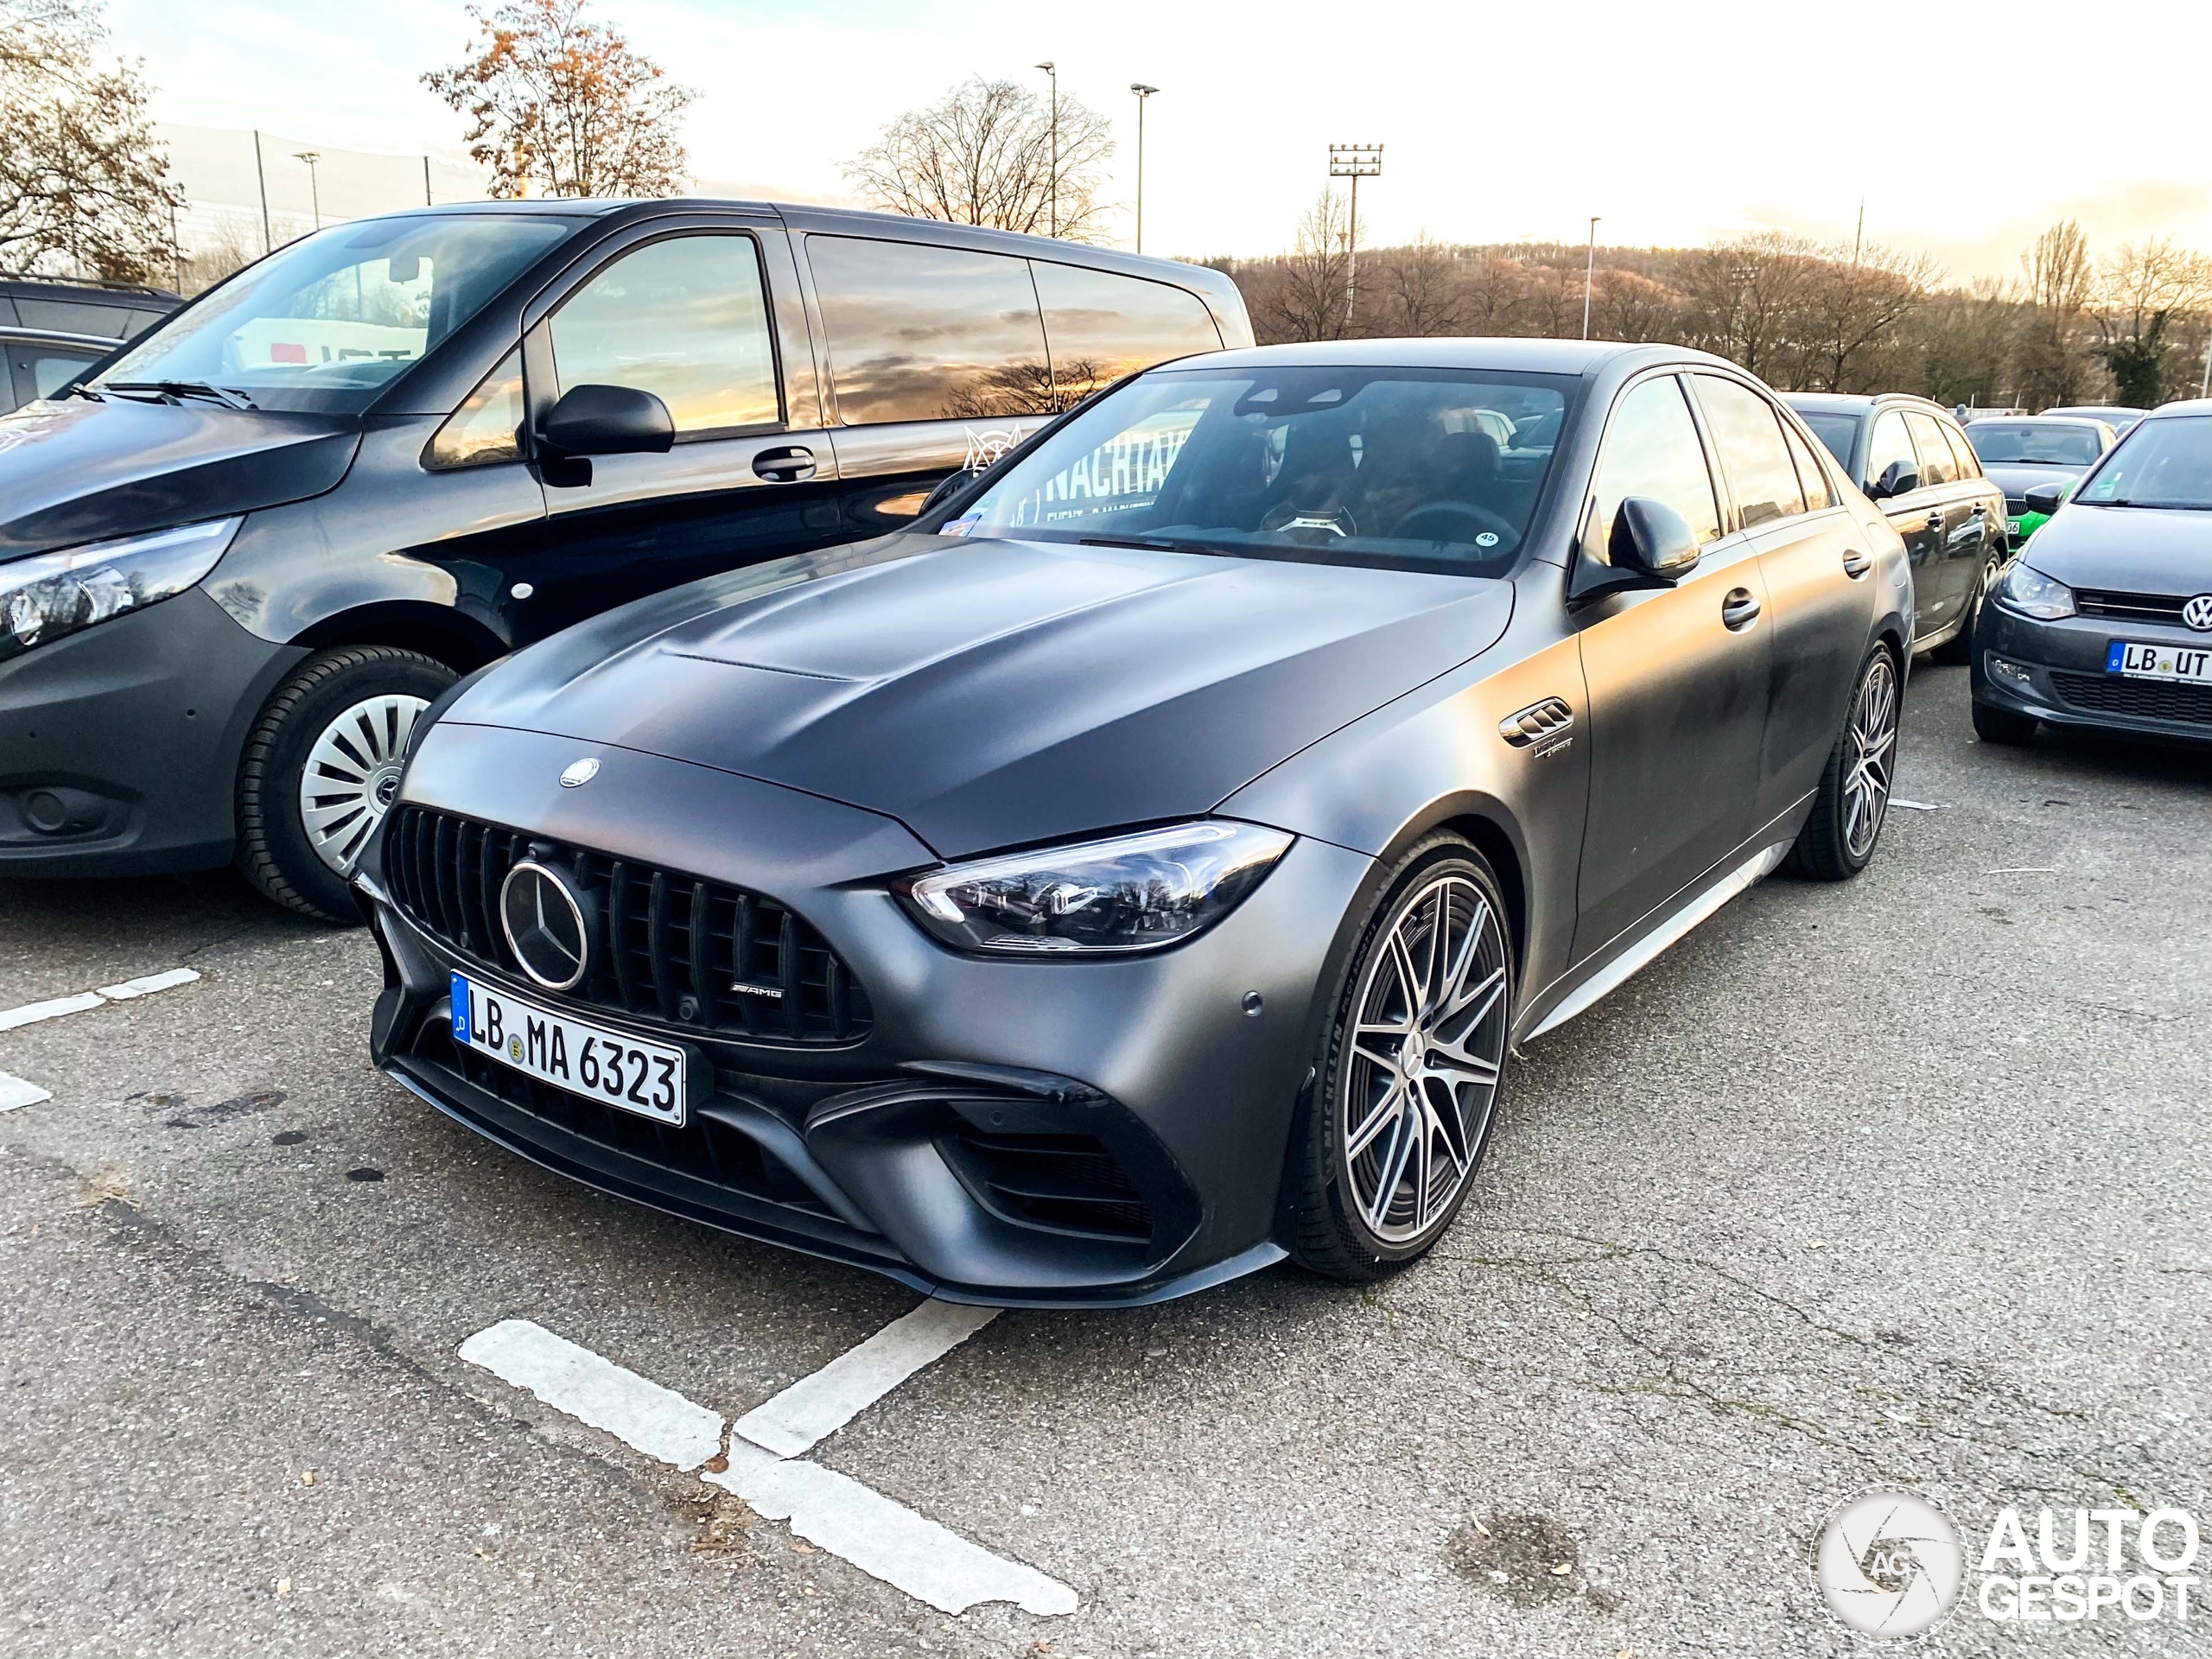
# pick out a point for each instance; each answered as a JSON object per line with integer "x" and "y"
{"x": 352, "y": 775}
{"x": 1871, "y": 739}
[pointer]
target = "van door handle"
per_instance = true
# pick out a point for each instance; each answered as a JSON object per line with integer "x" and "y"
{"x": 1739, "y": 610}
{"x": 1855, "y": 564}
{"x": 789, "y": 464}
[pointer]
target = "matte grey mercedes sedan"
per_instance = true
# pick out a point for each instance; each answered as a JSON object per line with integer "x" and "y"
{"x": 1144, "y": 867}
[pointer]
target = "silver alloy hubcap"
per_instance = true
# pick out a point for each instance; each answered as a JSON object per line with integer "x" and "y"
{"x": 351, "y": 776}
{"x": 1421, "y": 1073}
{"x": 1870, "y": 757}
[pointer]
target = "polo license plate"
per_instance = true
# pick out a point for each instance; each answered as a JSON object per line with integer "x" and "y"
{"x": 2190, "y": 664}
{"x": 611, "y": 1067}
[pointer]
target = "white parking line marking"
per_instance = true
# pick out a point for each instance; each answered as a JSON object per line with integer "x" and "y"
{"x": 816, "y": 1407}
{"x": 885, "y": 1539}
{"x": 31, "y": 1013}
{"x": 1916, "y": 806}
{"x": 149, "y": 984}
{"x": 657, "y": 1422}
{"x": 20, "y": 1091}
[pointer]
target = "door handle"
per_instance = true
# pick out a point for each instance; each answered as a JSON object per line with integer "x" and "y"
{"x": 789, "y": 464}
{"x": 1739, "y": 610}
{"x": 1855, "y": 564}
{"x": 1935, "y": 521}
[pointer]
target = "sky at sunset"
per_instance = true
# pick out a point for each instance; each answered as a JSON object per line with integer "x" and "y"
{"x": 1675, "y": 123}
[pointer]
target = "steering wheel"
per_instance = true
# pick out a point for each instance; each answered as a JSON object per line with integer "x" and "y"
{"x": 1295, "y": 522}
{"x": 1456, "y": 521}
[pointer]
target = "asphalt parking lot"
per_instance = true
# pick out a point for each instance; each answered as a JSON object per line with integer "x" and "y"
{"x": 1898, "y": 1184}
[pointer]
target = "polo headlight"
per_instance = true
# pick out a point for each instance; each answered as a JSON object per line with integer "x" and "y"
{"x": 50, "y": 594}
{"x": 2032, "y": 594}
{"x": 1140, "y": 891}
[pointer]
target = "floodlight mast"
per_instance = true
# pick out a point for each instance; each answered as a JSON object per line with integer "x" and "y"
{"x": 1353, "y": 161}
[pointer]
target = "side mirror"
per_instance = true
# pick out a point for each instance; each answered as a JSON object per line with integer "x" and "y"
{"x": 2045, "y": 499}
{"x": 607, "y": 420}
{"x": 1898, "y": 478}
{"x": 1651, "y": 546}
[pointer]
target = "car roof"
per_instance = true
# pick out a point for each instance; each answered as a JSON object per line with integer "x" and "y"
{"x": 1858, "y": 403}
{"x": 2096, "y": 411}
{"x": 2040, "y": 420}
{"x": 2184, "y": 406}
{"x": 1513, "y": 354}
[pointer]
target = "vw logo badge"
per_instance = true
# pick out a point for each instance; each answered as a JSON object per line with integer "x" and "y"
{"x": 2198, "y": 613}
{"x": 547, "y": 924}
{"x": 579, "y": 773}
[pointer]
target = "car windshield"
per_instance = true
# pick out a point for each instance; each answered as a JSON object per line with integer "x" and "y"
{"x": 1413, "y": 468}
{"x": 2035, "y": 443}
{"x": 324, "y": 323}
{"x": 1837, "y": 432}
{"x": 2166, "y": 463}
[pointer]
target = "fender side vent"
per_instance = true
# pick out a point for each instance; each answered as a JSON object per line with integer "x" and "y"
{"x": 1536, "y": 722}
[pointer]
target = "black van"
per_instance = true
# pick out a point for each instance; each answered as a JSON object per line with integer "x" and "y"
{"x": 397, "y": 448}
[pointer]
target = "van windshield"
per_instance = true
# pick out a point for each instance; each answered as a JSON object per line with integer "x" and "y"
{"x": 1410, "y": 468}
{"x": 321, "y": 325}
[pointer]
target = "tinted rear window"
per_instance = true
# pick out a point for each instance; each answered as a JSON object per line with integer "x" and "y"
{"x": 1837, "y": 433}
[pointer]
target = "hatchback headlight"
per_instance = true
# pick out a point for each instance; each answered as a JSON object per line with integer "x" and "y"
{"x": 1138, "y": 891}
{"x": 50, "y": 594}
{"x": 2032, "y": 594}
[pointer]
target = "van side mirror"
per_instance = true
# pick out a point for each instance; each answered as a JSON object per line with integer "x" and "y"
{"x": 607, "y": 420}
{"x": 1898, "y": 478}
{"x": 1651, "y": 545}
{"x": 2045, "y": 499}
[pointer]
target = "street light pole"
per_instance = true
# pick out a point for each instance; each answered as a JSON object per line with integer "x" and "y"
{"x": 1144, "y": 93}
{"x": 1054, "y": 70}
{"x": 1353, "y": 161}
{"x": 314, "y": 189}
{"x": 1589, "y": 270}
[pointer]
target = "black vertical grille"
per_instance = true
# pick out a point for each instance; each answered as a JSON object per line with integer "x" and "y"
{"x": 670, "y": 949}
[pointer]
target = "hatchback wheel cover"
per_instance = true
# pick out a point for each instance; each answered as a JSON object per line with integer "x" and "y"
{"x": 1871, "y": 757}
{"x": 353, "y": 775}
{"x": 1421, "y": 1072}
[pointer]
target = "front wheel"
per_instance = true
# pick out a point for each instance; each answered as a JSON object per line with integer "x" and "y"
{"x": 1958, "y": 648}
{"x": 320, "y": 770}
{"x": 1854, "y": 799}
{"x": 1411, "y": 1073}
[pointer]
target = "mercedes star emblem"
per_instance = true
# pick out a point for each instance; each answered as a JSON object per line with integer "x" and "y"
{"x": 547, "y": 924}
{"x": 579, "y": 773}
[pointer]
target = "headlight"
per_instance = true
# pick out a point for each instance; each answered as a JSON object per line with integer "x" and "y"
{"x": 1138, "y": 891}
{"x": 2032, "y": 594}
{"x": 50, "y": 594}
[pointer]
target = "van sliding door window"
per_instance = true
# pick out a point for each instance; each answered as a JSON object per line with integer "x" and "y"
{"x": 686, "y": 320}
{"x": 928, "y": 334}
{"x": 1101, "y": 327}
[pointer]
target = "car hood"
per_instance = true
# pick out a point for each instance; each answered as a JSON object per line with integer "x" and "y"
{"x": 76, "y": 471}
{"x": 2127, "y": 550}
{"x": 2017, "y": 478}
{"x": 991, "y": 693}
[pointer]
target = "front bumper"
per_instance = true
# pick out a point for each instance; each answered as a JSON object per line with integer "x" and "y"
{"x": 2066, "y": 681}
{"x": 119, "y": 746}
{"x": 1023, "y": 1132}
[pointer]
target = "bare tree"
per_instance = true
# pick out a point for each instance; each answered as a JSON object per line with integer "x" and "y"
{"x": 1303, "y": 297}
{"x": 560, "y": 106}
{"x": 983, "y": 155}
{"x": 1417, "y": 291}
{"x": 2054, "y": 365}
{"x": 1963, "y": 345}
{"x": 1625, "y": 306}
{"x": 2142, "y": 292}
{"x": 1492, "y": 292}
{"x": 1849, "y": 308}
{"x": 84, "y": 185}
{"x": 1743, "y": 299}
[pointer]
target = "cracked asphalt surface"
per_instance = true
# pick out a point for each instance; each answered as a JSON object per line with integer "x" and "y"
{"x": 1900, "y": 1184}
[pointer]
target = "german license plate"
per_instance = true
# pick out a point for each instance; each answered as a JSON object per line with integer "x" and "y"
{"x": 614, "y": 1069}
{"x": 2192, "y": 665}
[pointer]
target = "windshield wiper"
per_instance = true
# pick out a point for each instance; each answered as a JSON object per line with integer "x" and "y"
{"x": 1154, "y": 544}
{"x": 176, "y": 391}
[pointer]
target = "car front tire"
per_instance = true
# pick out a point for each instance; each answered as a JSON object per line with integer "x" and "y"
{"x": 1853, "y": 801}
{"x": 321, "y": 767}
{"x": 1410, "y": 1074}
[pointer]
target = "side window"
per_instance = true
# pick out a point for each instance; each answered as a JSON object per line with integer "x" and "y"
{"x": 1652, "y": 449}
{"x": 1937, "y": 465}
{"x": 488, "y": 427}
{"x": 925, "y": 333}
{"x": 1889, "y": 442}
{"x": 686, "y": 320}
{"x": 1101, "y": 327}
{"x": 1749, "y": 434}
{"x": 1814, "y": 480}
{"x": 1965, "y": 462}
{"x": 73, "y": 316}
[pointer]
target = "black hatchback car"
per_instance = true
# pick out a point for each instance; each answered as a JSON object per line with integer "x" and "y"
{"x": 1912, "y": 460}
{"x": 2105, "y": 619}
{"x": 1145, "y": 866}
{"x": 236, "y": 567}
